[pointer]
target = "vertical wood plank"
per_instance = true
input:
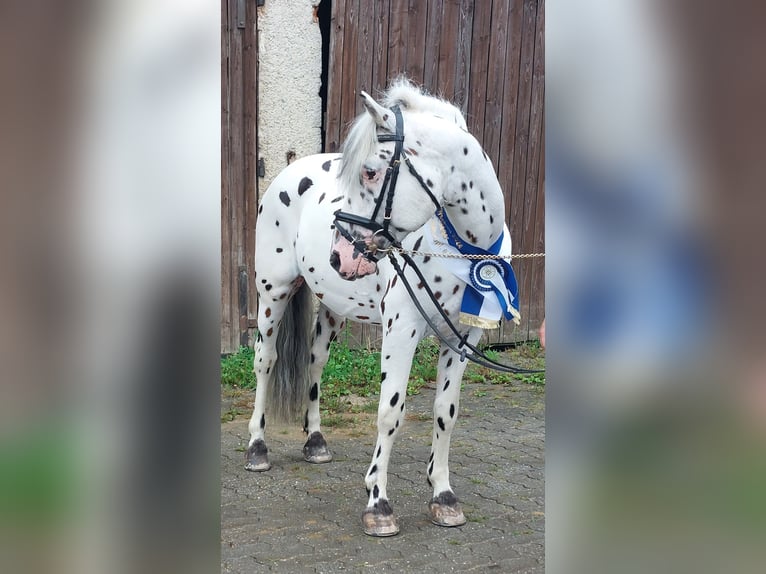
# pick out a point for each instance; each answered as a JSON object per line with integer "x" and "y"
{"x": 381, "y": 9}
{"x": 463, "y": 63}
{"x": 479, "y": 69}
{"x": 448, "y": 48}
{"x": 225, "y": 181}
{"x": 537, "y": 293}
{"x": 348, "y": 104}
{"x": 397, "y": 39}
{"x": 493, "y": 110}
{"x": 509, "y": 112}
{"x": 365, "y": 47}
{"x": 237, "y": 184}
{"x": 505, "y": 165}
{"x": 416, "y": 40}
{"x": 245, "y": 184}
{"x": 518, "y": 148}
{"x": 433, "y": 42}
{"x": 534, "y": 190}
{"x": 335, "y": 76}
{"x": 250, "y": 63}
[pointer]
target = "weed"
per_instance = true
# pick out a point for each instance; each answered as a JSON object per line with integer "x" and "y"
{"x": 357, "y": 372}
{"x": 237, "y": 369}
{"x": 228, "y": 416}
{"x": 537, "y": 379}
{"x": 337, "y": 421}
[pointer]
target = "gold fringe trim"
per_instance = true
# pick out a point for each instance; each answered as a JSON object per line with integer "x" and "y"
{"x": 475, "y": 321}
{"x": 481, "y": 322}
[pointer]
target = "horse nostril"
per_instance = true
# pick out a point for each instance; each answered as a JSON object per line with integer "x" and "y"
{"x": 335, "y": 260}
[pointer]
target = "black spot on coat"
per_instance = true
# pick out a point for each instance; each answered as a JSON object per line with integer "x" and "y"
{"x": 304, "y": 185}
{"x": 284, "y": 198}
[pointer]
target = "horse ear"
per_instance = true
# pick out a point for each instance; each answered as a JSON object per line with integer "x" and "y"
{"x": 384, "y": 118}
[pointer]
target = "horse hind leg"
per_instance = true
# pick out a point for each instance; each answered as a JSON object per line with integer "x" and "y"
{"x": 328, "y": 326}
{"x": 256, "y": 456}
{"x": 288, "y": 301}
{"x": 265, "y": 357}
{"x": 444, "y": 507}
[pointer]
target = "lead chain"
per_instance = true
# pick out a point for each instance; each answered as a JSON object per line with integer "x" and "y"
{"x": 466, "y": 256}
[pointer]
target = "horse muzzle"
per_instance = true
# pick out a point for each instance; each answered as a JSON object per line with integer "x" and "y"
{"x": 346, "y": 259}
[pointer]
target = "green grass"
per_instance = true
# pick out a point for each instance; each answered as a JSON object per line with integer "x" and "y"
{"x": 237, "y": 369}
{"x": 357, "y": 372}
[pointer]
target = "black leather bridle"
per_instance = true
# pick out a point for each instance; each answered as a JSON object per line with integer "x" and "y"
{"x": 369, "y": 249}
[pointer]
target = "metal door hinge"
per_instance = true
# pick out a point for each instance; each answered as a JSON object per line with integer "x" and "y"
{"x": 261, "y": 167}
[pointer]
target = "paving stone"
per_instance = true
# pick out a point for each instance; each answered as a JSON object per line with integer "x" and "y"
{"x": 299, "y": 517}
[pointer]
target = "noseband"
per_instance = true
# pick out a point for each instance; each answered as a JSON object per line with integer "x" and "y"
{"x": 367, "y": 247}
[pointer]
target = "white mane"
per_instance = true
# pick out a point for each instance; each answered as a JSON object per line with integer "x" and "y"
{"x": 362, "y": 137}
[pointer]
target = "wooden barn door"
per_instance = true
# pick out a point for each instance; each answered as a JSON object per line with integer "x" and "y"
{"x": 487, "y": 56}
{"x": 239, "y": 190}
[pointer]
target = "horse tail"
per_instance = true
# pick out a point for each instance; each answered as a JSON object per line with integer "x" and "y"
{"x": 287, "y": 393}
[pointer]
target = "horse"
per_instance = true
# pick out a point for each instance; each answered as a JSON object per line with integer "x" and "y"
{"x": 448, "y": 199}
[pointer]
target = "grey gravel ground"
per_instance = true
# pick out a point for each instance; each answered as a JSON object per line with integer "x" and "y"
{"x": 299, "y": 517}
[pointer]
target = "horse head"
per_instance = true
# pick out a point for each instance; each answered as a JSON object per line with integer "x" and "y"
{"x": 396, "y": 172}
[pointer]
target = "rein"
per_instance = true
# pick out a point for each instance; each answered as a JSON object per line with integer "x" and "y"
{"x": 369, "y": 250}
{"x": 476, "y": 355}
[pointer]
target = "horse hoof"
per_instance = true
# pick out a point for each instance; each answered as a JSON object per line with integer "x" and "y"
{"x": 315, "y": 450}
{"x": 376, "y": 523}
{"x": 446, "y": 510}
{"x": 257, "y": 457}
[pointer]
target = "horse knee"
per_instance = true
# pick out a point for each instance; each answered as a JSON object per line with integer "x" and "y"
{"x": 390, "y": 415}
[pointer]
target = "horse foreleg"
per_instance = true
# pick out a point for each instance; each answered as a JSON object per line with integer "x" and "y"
{"x": 445, "y": 508}
{"x": 397, "y": 351}
{"x": 327, "y": 328}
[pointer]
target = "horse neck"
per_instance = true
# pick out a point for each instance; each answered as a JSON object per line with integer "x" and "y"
{"x": 475, "y": 205}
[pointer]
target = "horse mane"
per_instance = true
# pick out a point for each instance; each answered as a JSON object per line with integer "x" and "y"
{"x": 362, "y": 136}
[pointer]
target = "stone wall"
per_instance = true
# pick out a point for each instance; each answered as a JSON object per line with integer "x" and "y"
{"x": 289, "y": 107}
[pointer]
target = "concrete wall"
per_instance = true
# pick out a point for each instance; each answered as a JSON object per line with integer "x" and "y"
{"x": 289, "y": 107}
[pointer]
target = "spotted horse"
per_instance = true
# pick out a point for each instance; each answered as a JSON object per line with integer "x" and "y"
{"x": 326, "y": 225}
